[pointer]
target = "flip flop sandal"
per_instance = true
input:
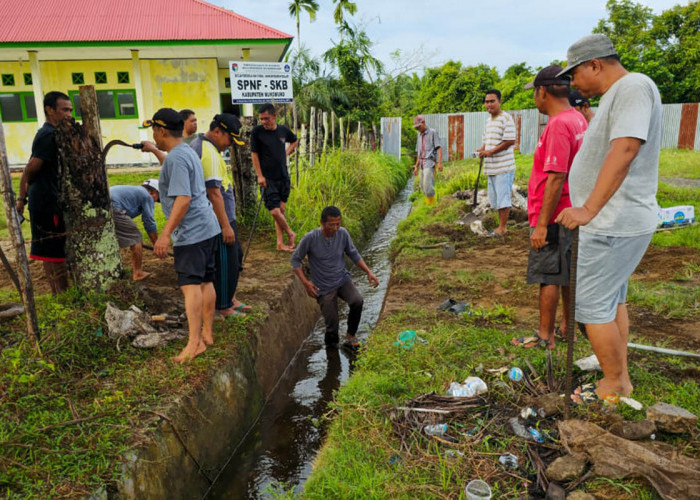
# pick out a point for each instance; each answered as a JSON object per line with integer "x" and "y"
{"x": 447, "y": 304}
{"x": 560, "y": 336}
{"x": 530, "y": 342}
{"x": 243, "y": 307}
{"x": 587, "y": 395}
{"x": 351, "y": 345}
{"x": 458, "y": 308}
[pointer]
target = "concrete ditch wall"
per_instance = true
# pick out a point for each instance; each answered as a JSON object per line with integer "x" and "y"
{"x": 193, "y": 441}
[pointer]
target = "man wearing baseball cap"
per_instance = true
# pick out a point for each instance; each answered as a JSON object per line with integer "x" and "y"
{"x": 428, "y": 152}
{"x": 224, "y": 131}
{"x": 547, "y": 195}
{"x": 613, "y": 184}
{"x": 581, "y": 104}
{"x": 129, "y": 202}
{"x": 192, "y": 226}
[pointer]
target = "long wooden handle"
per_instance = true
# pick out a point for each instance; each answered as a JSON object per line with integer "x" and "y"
{"x": 571, "y": 325}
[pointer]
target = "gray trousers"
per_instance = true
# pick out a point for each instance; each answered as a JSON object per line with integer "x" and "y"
{"x": 329, "y": 309}
{"x": 427, "y": 181}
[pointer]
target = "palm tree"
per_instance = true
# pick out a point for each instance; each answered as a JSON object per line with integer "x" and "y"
{"x": 342, "y": 7}
{"x": 296, "y": 7}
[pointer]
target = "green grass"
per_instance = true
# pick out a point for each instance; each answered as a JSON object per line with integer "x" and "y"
{"x": 679, "y": 163}
{"x": 670, "y": 300}
{"x": 363, "y": 456}
{"x": 82, "y": 374}
{"x": 669, "y": 196}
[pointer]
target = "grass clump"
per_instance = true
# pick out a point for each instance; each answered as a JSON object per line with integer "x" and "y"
{"x": 670, "y": 300}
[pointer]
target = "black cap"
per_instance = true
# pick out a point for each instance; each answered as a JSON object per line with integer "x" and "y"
{"x": 231, "y": 124}
{"x": 166, "y": 118}
{"x": 576, "y": 99}
{"x": 548, "y": 76}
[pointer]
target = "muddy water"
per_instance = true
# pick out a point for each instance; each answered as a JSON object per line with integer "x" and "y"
{"x": 279, "y": 450}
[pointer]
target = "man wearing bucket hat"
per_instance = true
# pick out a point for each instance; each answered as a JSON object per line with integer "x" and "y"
{"x": 613, "y": 184}
{"x": 129, "y": 202}
{"x": 223, "y": 133}
{"x": 547, "y": 195}
{"x": 192, "y": 226}
{"x": 428, "y": 153}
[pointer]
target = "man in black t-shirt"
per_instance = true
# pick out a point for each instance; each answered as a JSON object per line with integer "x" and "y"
{"x": 269, "y": 153}
{"x": 39, "y": 186}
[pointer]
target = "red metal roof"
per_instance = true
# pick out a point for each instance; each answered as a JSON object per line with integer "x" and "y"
{"x": 125, "y": 20}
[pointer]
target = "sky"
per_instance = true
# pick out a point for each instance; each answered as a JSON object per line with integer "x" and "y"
{"x": 498, "y": 33}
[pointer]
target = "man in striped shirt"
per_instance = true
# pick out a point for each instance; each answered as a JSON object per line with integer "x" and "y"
{"x": 499, "y": 162}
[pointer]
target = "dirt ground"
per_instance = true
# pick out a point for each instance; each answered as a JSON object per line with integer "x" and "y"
{"x": 502, "y": 264}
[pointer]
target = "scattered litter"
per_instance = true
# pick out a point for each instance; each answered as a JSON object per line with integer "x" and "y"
{"x": 477, "y": 490}
{"x": 475, "y": 386}
{"x": 453, "y": 454}
{"x": 457, "y": 390}
{"x": 672, "y": 474}
{"x": 477, "y": 227}
{"x": 157, "y": 338}
{"x": 406, "y": 339}
{"x": 509, "y": 460}
{"x": 632, "y": 402}
{"x": 502, "y": 370}
{"x": 528, "y": 413}
{"x": 519, "y": 429}
{"x": 676, "y": 216}
{"x": 394, "y": 459}
{"x": 588, "y": 364}
{"x": 536, "y": 435}
{"x": 127, "y": 323}
{"x": 435, "y": 429}
{"x": 515, "y": 374}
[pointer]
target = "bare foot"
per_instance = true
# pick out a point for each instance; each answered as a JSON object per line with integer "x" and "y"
{"x": 292, "y": 238}
{"x": 187, "y": 355}
{"x": 500, "y": 233}
{"x": 237, "y": 306}
{"x": 140, "y": 275}
{"x": 207, "y": 338}
{"x": 284, "y": 248}
{"x": 231, "y": 311}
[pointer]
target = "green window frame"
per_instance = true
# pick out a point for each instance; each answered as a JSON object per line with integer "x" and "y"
{"x": 112, "y": 102}
{"x": 8, "y": 80}
{"x": 78, "y": 78}
{"x": 100, "y": 77}
{"x": 122, "y": 77}
{"x": 28, "y": 79}
{"x": 26, "y": 106}
{"x": 227, "y": 82}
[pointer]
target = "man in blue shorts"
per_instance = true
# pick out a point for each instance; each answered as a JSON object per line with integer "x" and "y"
{"x": 613, "y": 184}
{"x": 269, "y": 151}
{"x": 192, "y": 226}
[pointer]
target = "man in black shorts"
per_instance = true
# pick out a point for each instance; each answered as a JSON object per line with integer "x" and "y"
{"x": 269, "y": 153}
{"x": 39, "y": 186}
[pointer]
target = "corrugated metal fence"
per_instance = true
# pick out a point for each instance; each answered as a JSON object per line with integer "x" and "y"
{"x": 391, "y": 136}
{"x": 461, "y": 133}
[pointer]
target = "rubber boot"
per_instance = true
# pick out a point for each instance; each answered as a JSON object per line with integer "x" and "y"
{"x": 430, "y": 200}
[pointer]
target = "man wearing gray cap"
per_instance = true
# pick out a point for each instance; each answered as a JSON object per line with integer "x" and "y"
{"x": 613, "y": 184}
{"x": 428, "y": 152}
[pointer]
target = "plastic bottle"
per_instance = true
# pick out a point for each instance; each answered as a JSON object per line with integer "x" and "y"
{"x": 435, "y": 429}
{"x": 535, "y": 434}
{"x": 475, "y": 386}
{"x": 457, "y": 390}
{"x": 509, "y": 460}
{"x": 515, "y": 374}
{"x": 527, "y": 413}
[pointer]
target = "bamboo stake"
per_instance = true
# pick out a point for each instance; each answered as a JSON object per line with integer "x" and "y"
{"x": 325, "y": 131}
{"x": 341, "y": 130}
{"x": 312, "y": 135}
{"x": 13, "y": 224}
{"x": 333, "y": 129}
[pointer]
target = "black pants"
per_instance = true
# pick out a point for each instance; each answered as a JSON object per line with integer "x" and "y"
{"x": 228, "y": 267}
{"x": 329, "y": 308}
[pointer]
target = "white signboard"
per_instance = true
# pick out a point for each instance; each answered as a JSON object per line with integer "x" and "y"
{"x": 258, "y": 82}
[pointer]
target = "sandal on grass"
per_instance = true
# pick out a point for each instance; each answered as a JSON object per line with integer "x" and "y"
{"x": 243, "y": 307}
{"x": 586, "y": 394}
{"x": 559, "y": 335}
{"x": 352, "y": 344}
{"x": 530, "y": 342}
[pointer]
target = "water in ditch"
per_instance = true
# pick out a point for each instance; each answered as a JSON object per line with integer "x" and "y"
{"x": 279, "y": 450}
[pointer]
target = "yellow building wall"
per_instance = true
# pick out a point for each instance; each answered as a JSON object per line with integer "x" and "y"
{"x": 177, "y": 83}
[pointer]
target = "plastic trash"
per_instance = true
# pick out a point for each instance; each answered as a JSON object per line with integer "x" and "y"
{"x": 519, "y": 429}
{"x": 588, "y": 364}
{"x": 509, "y": 460}
{"x": 528, "y": 413}
{"x": 453, "y": 454}
{"x": 535, "y": 434}
{"x": 477, "y": 490}
{"x": 515, "y": 374}
{"x": 435, "y": 429}
{"x": 457, "y": 390}
{"x": 406, "y": 339}
{"x": 632, "y": 402}
{"x": 475, "y": 386}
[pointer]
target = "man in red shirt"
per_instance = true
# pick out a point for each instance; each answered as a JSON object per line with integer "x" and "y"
{"x": 548, "y": 194}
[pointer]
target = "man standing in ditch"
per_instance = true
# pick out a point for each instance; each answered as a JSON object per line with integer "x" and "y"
{"x": 326, "y": 247}
{"x": 129, "y": 202}
{"x": 547, "y": 195}
{"x": 613, "y": 184}
{"x": 269, "y": 154}
{"x": 39, "y": 186}
{"x": 192, "y": 226}
{"x": 428, "y": 151}
{"x": 222, "y": 134}
{"x": 499, "y": 161}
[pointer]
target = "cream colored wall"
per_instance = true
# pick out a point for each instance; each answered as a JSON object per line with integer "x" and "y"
{"x": 177, "y": 83}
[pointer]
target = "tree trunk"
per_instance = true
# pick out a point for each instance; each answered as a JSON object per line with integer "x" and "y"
{"x": 325, "y": 131}
{"x": 92, "y": 252}
{"x": 244, "y": 176}
{"x": 341, "y": 130}
{"x": 15, "y": 228}
{"x": 312, "y": 136}
{"x": 333, "y": 129}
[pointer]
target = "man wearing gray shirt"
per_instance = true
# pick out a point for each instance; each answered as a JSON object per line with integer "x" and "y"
{"x": 428, "y": 152}
{"x": 326, "y": 247}
{"x": 191, "y": 224}
{"x": 612, "y": 184}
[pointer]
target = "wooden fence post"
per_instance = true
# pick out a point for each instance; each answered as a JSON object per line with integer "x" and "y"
{"x": 13, "y": 224}
{"x": 332, "y": 129}
{"x": 312, "y": 136}
{"x": 325, "y": 131}
{"x": 341, "y": 130}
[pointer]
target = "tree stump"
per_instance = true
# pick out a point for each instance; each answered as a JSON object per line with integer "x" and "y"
{"x": 92, "y": 251}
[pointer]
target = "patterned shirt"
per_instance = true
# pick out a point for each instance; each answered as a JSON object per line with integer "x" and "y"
{"x": 499, "y": 129}
{"x": 427, "y": 145}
